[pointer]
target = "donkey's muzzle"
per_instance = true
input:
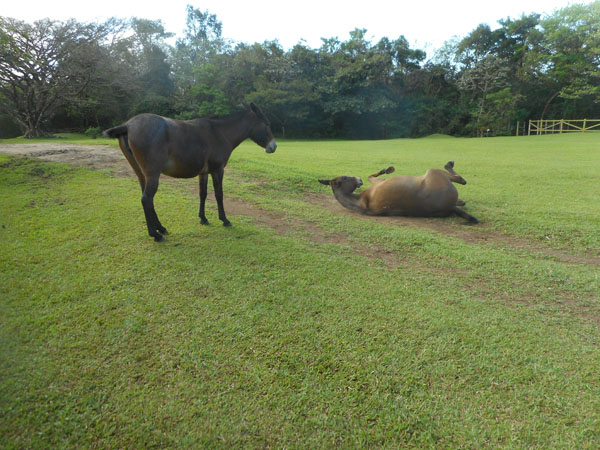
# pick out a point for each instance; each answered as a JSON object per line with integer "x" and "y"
{"x": 271, "y": 146}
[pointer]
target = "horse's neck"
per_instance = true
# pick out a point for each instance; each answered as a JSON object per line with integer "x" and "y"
{"x": 235, "y": 129}
{"x": 350, "y": 200}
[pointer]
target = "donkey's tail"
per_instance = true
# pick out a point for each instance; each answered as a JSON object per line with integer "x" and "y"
{"x": 116, "y": 132}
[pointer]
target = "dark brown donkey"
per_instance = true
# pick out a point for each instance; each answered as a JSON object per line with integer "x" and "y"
{"x": 185, "y": 148}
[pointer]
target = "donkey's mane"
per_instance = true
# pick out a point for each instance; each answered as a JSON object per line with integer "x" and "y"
{"x": 221, "y": 117}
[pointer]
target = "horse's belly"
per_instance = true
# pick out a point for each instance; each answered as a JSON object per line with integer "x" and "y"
{"x": 420, "y": 205}
{"x": 182, "y": 169}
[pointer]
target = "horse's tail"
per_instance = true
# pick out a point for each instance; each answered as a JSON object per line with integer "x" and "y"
{"x": 116, "y": 132}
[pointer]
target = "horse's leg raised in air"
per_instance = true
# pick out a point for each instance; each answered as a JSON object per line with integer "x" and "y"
{"x": 381, "y": 172}
{"x": 155, "y": 229}
{"x": 217, "y": 178}
{"x": 454, "y": 177}
{"x": 203, "y": 179}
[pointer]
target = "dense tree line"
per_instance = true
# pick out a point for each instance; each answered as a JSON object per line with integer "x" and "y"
{"x": 87, "y": 76}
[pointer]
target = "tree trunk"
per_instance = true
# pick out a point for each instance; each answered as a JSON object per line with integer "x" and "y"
{"x": 35, "y": 131}
{"x": 548, "y": 104}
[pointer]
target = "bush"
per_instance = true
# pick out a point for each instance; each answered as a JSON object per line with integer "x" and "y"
{"x": 93, "y": 132}
{"x": 8, "y": 127}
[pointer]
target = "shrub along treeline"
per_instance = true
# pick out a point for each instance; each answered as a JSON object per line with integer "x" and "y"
{"x": 87, "y": 76}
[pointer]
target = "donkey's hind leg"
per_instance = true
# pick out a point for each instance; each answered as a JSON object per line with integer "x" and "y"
{"x": 454, "y": 177}
{"x": 124, "y": 145}
{"x": 464, "y": 215}
{"x": 155, "y": 228}
{"x": 450, "y": 167}
{"x": 381, "y": 172}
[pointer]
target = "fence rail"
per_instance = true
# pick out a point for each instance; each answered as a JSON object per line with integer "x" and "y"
{"x": 537, "y": 127}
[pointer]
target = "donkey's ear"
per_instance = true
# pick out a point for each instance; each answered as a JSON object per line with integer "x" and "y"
{"x": 325, "y": 182}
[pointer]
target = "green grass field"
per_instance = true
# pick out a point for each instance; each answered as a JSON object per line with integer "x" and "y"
{"x": 302, "y": 336}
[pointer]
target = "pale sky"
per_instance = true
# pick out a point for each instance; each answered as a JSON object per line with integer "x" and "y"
{"x": 426, "y": 24}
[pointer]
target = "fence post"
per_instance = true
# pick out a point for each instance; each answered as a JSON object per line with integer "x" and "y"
{"x": 529, "y": 130}
{"x": 584, "y": 124}
{"x": 561, "y": 125}
{"x": 517, "y": 128}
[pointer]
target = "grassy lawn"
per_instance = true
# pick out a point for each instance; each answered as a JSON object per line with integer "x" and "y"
{"x": 253, "y": 337}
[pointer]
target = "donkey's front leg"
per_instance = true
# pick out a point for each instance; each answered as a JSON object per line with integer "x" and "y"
{"x": 203, "y": 178}
{"x": 217, "y": 177}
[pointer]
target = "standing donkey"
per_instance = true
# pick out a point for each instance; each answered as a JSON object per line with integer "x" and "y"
{"x": 185, "y": 148}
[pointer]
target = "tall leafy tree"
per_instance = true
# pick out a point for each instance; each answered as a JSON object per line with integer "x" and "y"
{"x": 570, "y": 61}
{"x": 487, "y": 77}
{"x": 362, "y": 86}
{"x": 152, "y": 66}
{"x": 46, "y": 65}
{"x": 286, "y": 90}
{"x": 196, "y": 60}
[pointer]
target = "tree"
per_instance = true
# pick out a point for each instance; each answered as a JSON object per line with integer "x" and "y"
{"x": 362, "y": 85}
{"x": 487, "y": 77}
{"x": 45, "y": 66}
{"x": 286, "y": 91}
{"x": 197, "y": 60}
{"x": 570, "y": 61}
{"x": 152, "y": 67}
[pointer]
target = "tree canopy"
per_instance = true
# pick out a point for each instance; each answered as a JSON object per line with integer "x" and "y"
{"x": 69, "y": 75}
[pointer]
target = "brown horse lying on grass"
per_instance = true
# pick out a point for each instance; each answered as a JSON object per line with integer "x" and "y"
{"x": 185, "y": 148}
{"x": 430, "y": 195}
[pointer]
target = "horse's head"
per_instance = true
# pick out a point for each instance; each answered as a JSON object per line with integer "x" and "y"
{"x": 344, "y": 185}
{"x": 260, "y": 129}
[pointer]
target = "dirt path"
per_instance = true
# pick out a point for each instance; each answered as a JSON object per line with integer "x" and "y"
{"x": 106, "y": 157}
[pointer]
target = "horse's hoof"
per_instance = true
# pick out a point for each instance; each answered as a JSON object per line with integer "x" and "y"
{"x": 163, "y": 230}
{"x": 204, "y": 222}
{"x": 227, "y": 223}
{"x": 159, "y": 238}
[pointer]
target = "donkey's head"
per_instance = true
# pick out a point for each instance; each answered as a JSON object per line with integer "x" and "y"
{"x": 260, "y": 129}
{"x": 344, "y": 185}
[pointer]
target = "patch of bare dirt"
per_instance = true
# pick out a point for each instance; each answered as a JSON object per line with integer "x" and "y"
{"x": 106, "y": 157}
{"x": 92, "y": 156}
